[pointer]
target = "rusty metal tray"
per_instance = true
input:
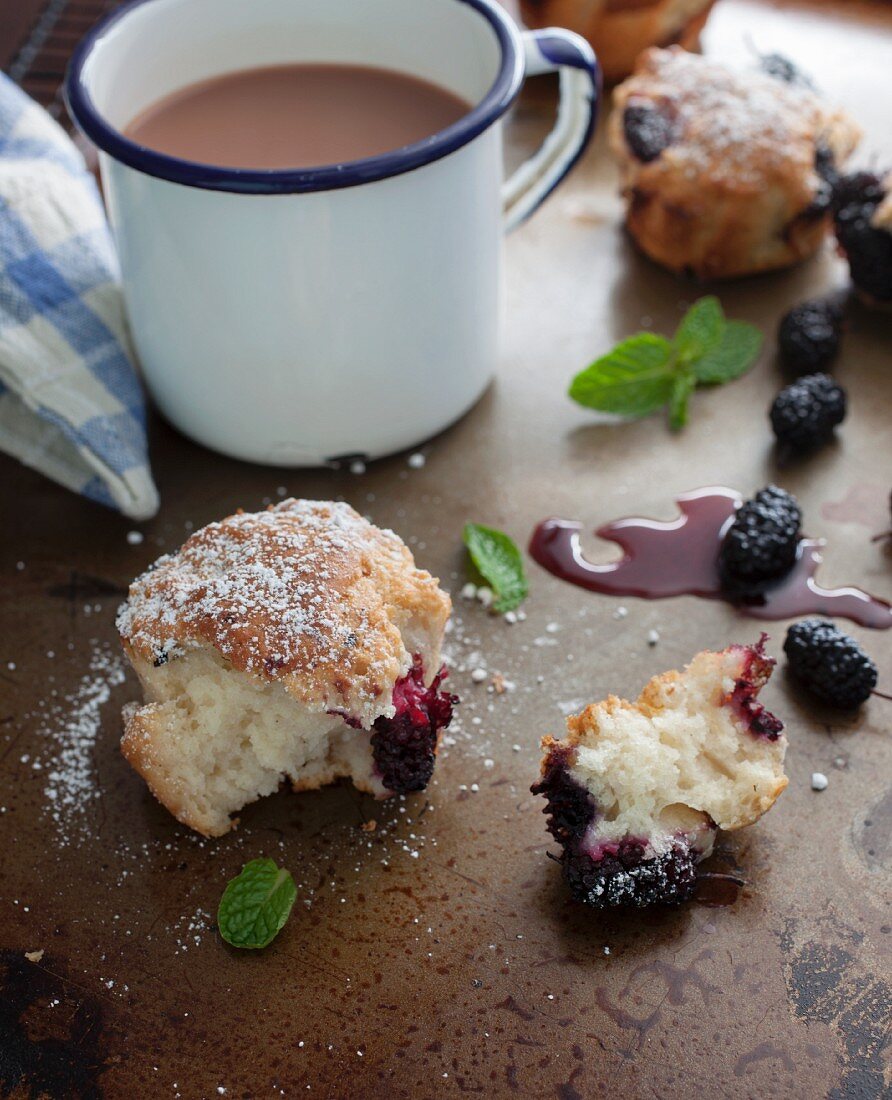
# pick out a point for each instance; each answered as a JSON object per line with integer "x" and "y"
{"x": 438, "y": 954}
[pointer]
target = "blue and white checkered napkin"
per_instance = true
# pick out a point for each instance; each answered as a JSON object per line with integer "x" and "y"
{"x": 71, "y": 405}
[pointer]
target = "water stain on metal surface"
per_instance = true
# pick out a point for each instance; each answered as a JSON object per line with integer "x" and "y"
{"x": 83, "y": 586}
{"x": 677, "y": 978}
{"x": 674, "y": 980}
{"x": 639, "y": 1024}
{"x": 873, "y": 836}
{"x": 864, "y": 503}
{"x": 568, "y": 1090}
{"x": 759, "y": 1054}
{"x": 51, "y": 1040}
{"x": 511, "y": 1005}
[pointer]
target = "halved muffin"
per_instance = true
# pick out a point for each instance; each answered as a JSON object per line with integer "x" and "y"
{"x": 300, "y": 643}
{"x": 636, "y": 792}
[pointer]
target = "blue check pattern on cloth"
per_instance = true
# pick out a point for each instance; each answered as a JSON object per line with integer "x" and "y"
{"x": 71, "y": 404}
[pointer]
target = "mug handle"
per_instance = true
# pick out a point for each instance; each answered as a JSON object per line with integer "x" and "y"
{"x": 547, "y": 51}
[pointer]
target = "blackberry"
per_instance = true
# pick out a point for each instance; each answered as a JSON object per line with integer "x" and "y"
{"x": 825, "y": 168}
{"x": 805, "y": 413}
{"x": 626, "y": 877}
{"x": 867, "y": 247}
{"x": 619, "y": 873}
{"x": 808, "y": 336}
{"x": 648, "y": 130}
{"x": 754, "y": 675}
{"x": 830, "y": 664}
{"x": 569, "y": 806}
{"x": 760, "y": 545}
{"x": 404, "y": 747}
{"x": 782, "y": 68}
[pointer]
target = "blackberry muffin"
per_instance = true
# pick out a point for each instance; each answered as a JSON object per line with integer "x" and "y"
{"x": 636, "y": 792}
{"x": 620, "y": 29}
{"x": 298, "y": 643}
{"x": 725, "y": 173}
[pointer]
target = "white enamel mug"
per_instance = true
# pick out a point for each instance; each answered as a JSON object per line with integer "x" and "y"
{"x": 296, "y": 317}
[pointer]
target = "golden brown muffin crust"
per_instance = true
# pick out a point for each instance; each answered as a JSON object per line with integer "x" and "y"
{"x": 735, "y": 191}
{"x": 307, "y": 593}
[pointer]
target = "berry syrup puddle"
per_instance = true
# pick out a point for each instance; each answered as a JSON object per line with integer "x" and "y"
{"x": 680, "y": 558}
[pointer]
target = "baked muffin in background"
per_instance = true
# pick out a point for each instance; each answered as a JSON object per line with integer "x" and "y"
{"x": 726, "y": 172}
{"x": 636, "y": 792}
{"x": 620, "y": 29}
{"x": 298, "y": 643}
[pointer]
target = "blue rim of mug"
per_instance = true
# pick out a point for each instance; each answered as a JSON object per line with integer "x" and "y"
{"x": 276, "y": 181}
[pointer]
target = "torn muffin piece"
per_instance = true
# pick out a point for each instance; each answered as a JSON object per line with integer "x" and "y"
{"x": 636, "y": 792}
{"x": 298, "y": 643}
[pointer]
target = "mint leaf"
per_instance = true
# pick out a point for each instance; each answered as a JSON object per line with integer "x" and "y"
{"x": 683, "y": 385}
{"x": 633, "y": 380}
{"x": 499, "y": 562}
{"x": 735, "y": 353}
{"x": 700, "y": 329}
{"x": 645, "y": 372}
{"x": 256, "y": 904}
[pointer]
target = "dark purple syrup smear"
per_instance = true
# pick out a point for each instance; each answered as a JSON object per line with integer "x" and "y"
{"x": 680, "y": 558}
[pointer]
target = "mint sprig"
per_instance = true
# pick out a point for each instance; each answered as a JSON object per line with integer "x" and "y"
{"x": 647, "y": 372}
{"x": 256, "y": 904}
{"x": 499, "y": 562}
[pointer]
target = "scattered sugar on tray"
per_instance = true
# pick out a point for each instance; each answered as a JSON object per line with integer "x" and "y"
{"x": 134, "y": 538}
{"x": 189, "y": 930}
{"x": 417, "y": 460}
{"x": 70, "y": 730}
{"x": 485, "y": 596}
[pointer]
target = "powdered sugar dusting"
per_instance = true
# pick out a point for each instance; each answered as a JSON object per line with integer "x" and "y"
{"x": 300, "y": 590}
{"x": 70, "y": 729}
{"x": 738, "y": 126}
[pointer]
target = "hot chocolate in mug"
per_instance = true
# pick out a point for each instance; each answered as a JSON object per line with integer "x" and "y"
{"x": 297, "y": 316}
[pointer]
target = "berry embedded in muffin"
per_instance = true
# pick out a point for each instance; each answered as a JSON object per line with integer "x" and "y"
{"x": 636, "y": 792}
{"x": 404, "y": 744}
{"x": 725, "y": 173}
{"x": 298, "y": 643}
{"x": 862, "y": 213}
